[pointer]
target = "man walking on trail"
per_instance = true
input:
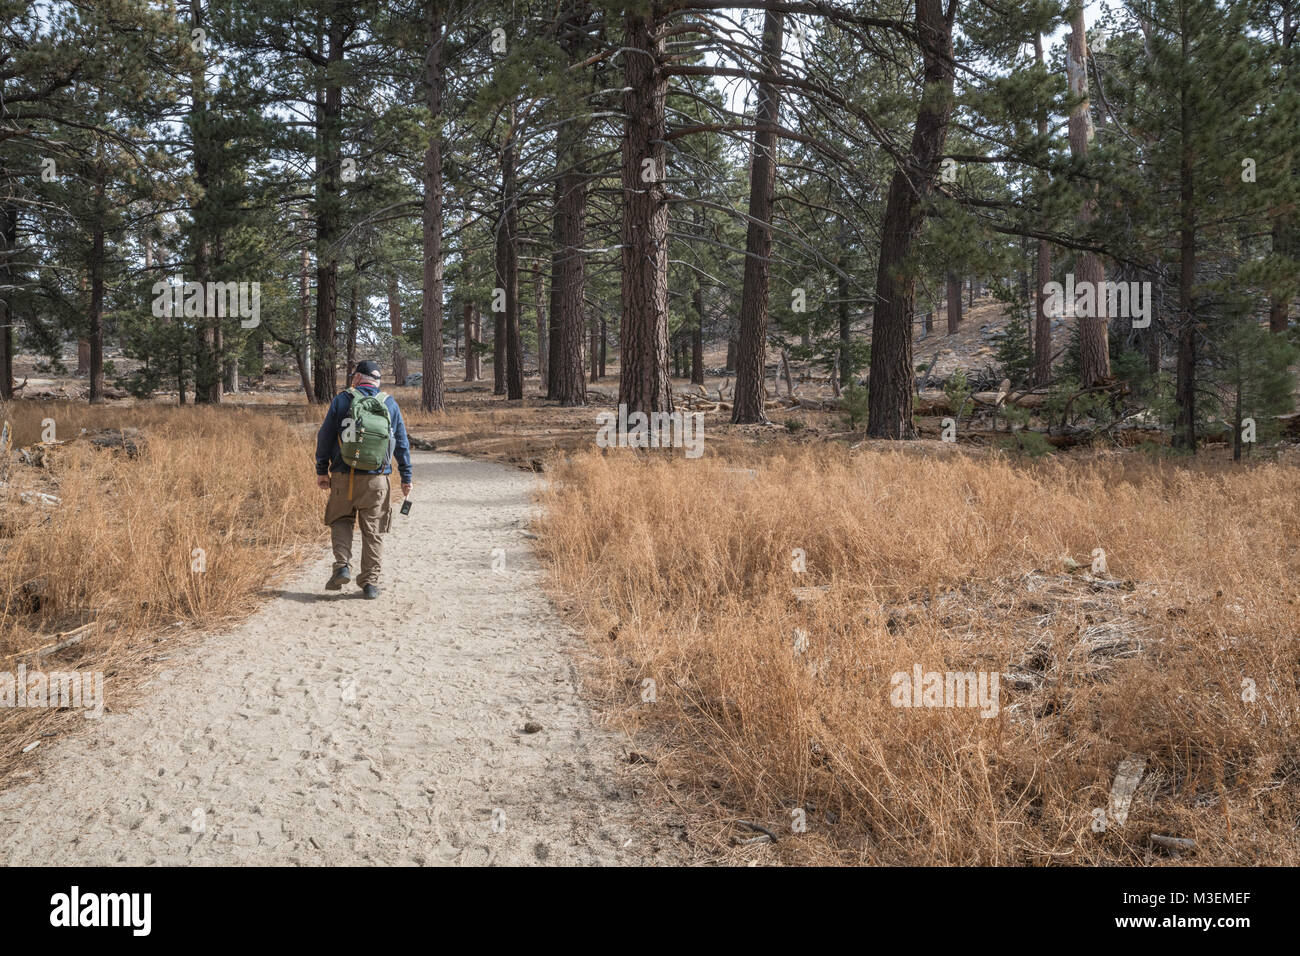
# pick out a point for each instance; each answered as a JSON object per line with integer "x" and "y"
{"x": 363, "y": 430}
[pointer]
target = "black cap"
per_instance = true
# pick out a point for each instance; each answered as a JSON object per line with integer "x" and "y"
{"x": 368, "y": 368}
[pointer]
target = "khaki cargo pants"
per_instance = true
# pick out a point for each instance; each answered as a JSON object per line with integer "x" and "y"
{"x": 370, "y": 505}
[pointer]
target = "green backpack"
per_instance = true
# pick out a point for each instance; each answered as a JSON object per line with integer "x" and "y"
{"x": 363, "y": 442}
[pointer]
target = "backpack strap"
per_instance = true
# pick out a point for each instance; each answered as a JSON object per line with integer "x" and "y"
{"x": 382, "y": 396}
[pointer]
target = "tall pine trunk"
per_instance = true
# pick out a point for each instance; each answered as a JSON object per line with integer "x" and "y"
{"x": 498, "y": 350}
{"x": 697, "y": 336}
{"x": 566, "y": 383}
{"x": 844, "y": 321}
{"x": 1094, "y": 352}
{"x": 1042, "y": 371}
{"x": 507, "y": 263}
{"x": 1279, "y": 303}
{"x": 478, "y": 340}
{"x": 1286, "y": 231}
{"x": 97, "y": 316}
{"x": 954, "y": 303}
{"x": 889, "y": 400}
{"x": 553, "y": 319}
{"x": 752, "y": 351}
{"x": 302, "y": 353}
{"x": 207, "y": 374}
{"x": 604, "y": 344}
{"x": 471, "y": 345}
{"x": 1185, "y": 382}
{"x": 8, "y": 243}
{"x": 539, "y": 307}
{"x": 351, "y": 333}
{"x": 395, "y": 325}
{"x": 328, "y": 233}
{"x": 431, "y": 391}
{"x": 644, "y": 385}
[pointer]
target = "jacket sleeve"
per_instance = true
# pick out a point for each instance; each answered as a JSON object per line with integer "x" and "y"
{"x": 402, "y": 447}
{"x": 328, "y": 436}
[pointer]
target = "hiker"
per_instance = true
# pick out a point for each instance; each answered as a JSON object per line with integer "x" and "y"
{"x": 362, "y": 431}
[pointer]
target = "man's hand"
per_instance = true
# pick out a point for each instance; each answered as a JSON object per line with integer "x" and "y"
{"x": 406, "y": 489}
{"x": 323, "y": 482}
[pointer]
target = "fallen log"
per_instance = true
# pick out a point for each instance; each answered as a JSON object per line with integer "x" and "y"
{"x": 1028, "y": 399}
{"x": 66, "y": 639}
{"x": 932, "y": 402}
{"x": 1019, "y": 399}
{"x": 817, "y": 404}
{"x": 1173, "y": 843}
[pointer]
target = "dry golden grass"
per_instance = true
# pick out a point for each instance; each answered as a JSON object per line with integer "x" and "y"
{"x": 682, "y": 573}
{"x": 117, "y": 552}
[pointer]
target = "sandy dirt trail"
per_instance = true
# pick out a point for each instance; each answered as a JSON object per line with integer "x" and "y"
{"x": 328, "y": 729}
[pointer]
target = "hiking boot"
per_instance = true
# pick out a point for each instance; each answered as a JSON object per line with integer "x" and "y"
{"x": 340, "y": 577}
{"x": 370, "y": 592}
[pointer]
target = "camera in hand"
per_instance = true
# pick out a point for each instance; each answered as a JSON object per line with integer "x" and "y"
{"x": 406, "y": 506}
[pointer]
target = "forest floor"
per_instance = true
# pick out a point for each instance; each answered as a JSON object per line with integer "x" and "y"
{"x": 442, "y": 724}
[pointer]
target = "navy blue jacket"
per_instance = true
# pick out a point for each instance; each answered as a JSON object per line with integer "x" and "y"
{"x": 328, "y": 457}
